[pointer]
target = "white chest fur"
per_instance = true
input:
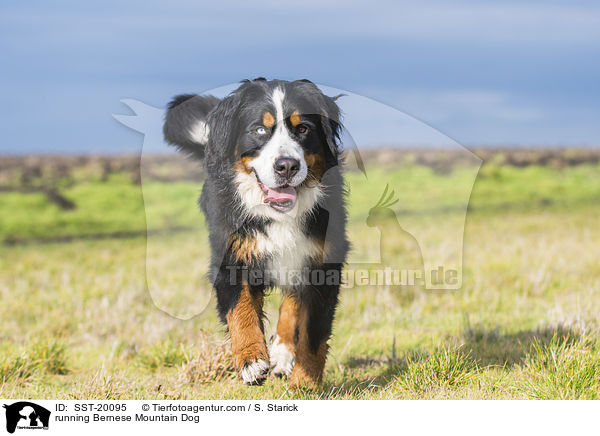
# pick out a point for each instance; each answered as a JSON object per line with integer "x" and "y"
{"x": 288, "y": 248}
{"x": 284, "y": 242}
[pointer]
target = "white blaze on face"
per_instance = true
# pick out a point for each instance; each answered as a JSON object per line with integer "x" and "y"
{"x": 280, "y": 145}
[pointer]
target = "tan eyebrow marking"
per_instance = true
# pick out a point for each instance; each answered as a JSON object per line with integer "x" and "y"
{"x": 295, "y": 118}
{"x": 268, "y": 120}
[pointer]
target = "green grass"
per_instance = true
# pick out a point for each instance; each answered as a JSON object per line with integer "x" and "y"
{"x": 40, "y": 357}
{"x": 117, "y": 205}
{"x": 441, "y": 368}
{"x": 162, "y": 355}
{"x": 79, "y": 321}
{"x": 566, "y": 368}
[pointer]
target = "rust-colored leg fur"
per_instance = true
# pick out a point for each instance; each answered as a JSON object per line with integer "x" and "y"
{"x": 248, "y": 346}
{"x": 308, "y": 370}
{"x": 283, "y": 347}
{"x": 288, "y": 321}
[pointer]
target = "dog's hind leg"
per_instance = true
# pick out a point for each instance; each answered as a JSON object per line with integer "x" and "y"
{"x": 283, "y": 346}
{"x": 315, "y": 318}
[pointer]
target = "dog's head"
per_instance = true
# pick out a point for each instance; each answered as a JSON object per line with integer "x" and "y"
{"x": 277, "y": 139}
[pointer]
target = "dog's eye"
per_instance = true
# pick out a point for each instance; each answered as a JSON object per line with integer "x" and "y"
{"x": 302, "y": 129}
{"x": 260, "y": 130}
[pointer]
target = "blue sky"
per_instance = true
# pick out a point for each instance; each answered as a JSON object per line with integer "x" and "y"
{"x": 481, "y": 72}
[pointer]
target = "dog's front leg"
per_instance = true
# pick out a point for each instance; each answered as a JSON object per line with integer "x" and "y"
{"x": 241, "y": 307}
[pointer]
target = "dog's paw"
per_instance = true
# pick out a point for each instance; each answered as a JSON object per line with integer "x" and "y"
{"x": 254, "y": 373}
{"x": 282, "y": 359}
{"x": 299, "y": 380}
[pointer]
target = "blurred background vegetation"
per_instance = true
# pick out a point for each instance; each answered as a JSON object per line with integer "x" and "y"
{"x": 54, "y": 198}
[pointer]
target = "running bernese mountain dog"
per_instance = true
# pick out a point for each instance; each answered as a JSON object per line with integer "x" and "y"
{"x": 274, "y": 202}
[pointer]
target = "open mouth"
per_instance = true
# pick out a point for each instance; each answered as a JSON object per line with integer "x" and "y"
{"x": 282, "y": 199}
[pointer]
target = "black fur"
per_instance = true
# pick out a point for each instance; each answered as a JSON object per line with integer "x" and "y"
{"x": 228, "y": 120}
{"x": 183, "y": 112}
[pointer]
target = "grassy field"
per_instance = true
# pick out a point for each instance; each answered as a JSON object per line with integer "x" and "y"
{"x": 79, "y": 322}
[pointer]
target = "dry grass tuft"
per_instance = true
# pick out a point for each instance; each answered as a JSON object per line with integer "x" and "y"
{"x": 102, "y": 386}
{"x": 210, "y": 362}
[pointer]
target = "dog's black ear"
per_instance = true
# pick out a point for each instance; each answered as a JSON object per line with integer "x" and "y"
{"x": 332, "y": 125}
{"x": 186, "y": 122}
{"x": 223, "y": 124}
{"x": 330, "y": 116}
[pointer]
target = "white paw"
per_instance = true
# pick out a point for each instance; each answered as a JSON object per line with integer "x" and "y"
{"x": 255, "y": 373}
{"x": 282, "y": 359}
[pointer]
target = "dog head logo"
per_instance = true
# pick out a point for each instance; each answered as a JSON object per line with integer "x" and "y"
{"x": 26, "y": 415}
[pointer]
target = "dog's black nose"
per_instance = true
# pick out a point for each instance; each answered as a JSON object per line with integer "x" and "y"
{"x": 287, "y": 167}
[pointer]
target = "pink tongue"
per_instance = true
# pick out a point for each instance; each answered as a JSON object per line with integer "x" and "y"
{"x": 279, "y": 195}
